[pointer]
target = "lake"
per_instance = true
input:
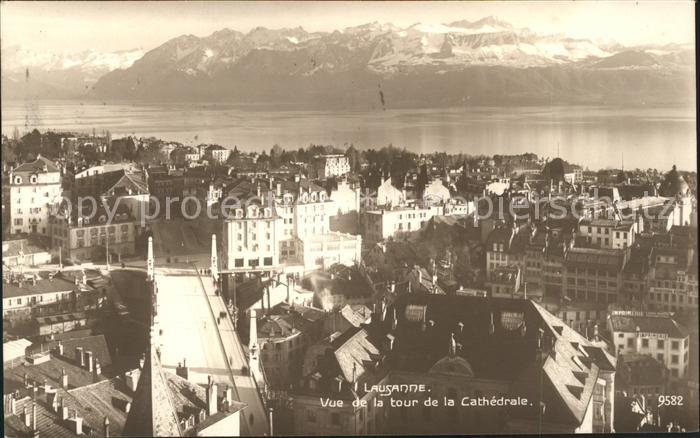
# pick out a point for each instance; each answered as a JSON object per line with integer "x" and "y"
{"x": 592, "y": 136}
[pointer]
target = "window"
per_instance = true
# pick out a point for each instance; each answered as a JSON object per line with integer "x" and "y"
{"x": 645, "y": 343}
{"x": 660, "y": 357}
{"x": 660, "y": 343}
{"x": 630, "y": 342}
{"x": 674, "y": 358}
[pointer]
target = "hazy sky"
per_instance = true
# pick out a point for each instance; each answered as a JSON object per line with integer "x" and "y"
{"x": 108, "y": 26}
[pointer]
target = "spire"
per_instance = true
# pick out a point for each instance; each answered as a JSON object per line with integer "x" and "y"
{"x": 214, "y": 260}
{"x": 149, "y": 262}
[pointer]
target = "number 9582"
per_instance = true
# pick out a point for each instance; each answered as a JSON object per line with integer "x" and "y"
{"x": 670, "y": 400}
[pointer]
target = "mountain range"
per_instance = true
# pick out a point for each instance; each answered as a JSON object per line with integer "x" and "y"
{"x": 375, "y": 65}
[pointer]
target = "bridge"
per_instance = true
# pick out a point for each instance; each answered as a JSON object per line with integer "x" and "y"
{"x": 197, "y": 330}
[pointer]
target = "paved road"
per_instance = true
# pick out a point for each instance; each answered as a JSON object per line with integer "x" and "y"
{"x": 245, "y": 387}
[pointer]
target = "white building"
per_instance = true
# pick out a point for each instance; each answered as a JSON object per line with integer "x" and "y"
{"x": 217, "y": 153}
{"x": 387, "y": 194}
{"x": 295, "y": 230}
{"x": 654, "y": 334}
{"x": 251, "y": 239}
{"x": 34, "y": 187}
{"x": 383, "y": 223}
{"x": 608, "y": 233}
{"x": 332, "y": 165}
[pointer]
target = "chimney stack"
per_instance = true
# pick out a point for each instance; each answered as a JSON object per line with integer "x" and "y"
{"x": 106, "y": 427}
{"x": 394, "y": 320}
{"x": 25, "y": 417}
{"x": 64, "y": 411}
{"x": 127, "y": 407}
{"x": 98, "y": 368}
{"x": 228, "y": 396}
{"x": 79, "y": 356}
{"x": 638, "y": 340}
{"x": 142, "y": 361}
{"x": 34, "y": 417}
{"x": 89, "y": 361}
{"x": 60, "y": 348}
{"x": 279, "y": 189}
{"x": 596, "y": 333}
{"x": 182, "y": 370}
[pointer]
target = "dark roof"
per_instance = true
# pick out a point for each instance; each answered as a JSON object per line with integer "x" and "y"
{"x": 628, "y": 321}
{"x": 595, "y": 258}
{"x": 640, "y": 370}
{"x": 42, "y": 286}
{"x": 493, "y": 339}
{"x": 32, "y": 244}
{"x": 37, "y": 166}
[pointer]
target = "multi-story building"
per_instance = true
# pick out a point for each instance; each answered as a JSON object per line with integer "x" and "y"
{"x": 34, "y": 188}
{"x": 594, "y": 274}
{"x": 331, "y": 165}
{"x": 297, "y": 229}
{"x": 217, "y": 153}
{"x": 27, "y": 295}
{"x": 655, "y": 334}
{"x": 505, "y": 282}
{"x": 641, "y": 374}
{"x": 382, "y": 223}
{"x": 608, "y": 233}
{"x": 283, "y": 336}
{"x": 106, "y": 232}
{"x": 251, "y": 239}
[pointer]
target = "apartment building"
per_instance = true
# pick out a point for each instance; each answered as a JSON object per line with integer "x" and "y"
{"x": 217, "y": 153}
{"x": 608, "y": 233}
{"x": 651, "y": 333}
{"x": 251, "y": 239}
{"x": 34, "y": 188}
{"x": 594, "y": 274}
{"x": 331, "y": 165}
{"x": 383, "y": 223}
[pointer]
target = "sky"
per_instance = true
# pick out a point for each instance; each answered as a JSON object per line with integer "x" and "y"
{"x": 110, "y": 26}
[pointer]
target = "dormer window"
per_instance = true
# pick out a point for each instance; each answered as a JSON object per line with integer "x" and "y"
{"x": 18, "y": 180}
{"x": 32, "y": 179}
{"x": 313, "y": 197}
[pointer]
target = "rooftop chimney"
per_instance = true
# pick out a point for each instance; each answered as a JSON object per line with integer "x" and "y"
{"x": 89, "y": 361}
{"x": 76, "y": 424}
{"x": 492, "y": 326}
{"x": 34, "y": 417}
{"x": 228, "y": 396}
{"x": 142, "y": 361}
{"x": 79, "y": 356}
{"x": 25, "y": 417}
{"x": 106, "y": 427}
{"x": 394, "y": 320}
{"x": 182, "y": 370}
{"x": 60, "y": 348}
{"x": 131, "y": 380}
{"x": 51, "y": 399}
{"x": 279, "y": 189}
{"x": 64, "y": 411}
